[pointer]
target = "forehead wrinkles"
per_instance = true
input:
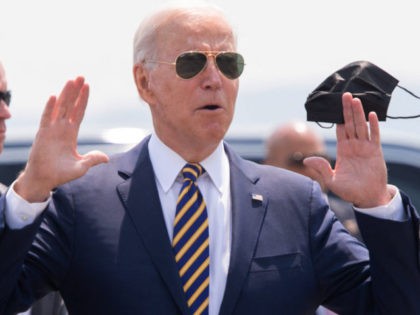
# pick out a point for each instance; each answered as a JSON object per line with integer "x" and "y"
{"x": 214, "y": 43}
{"x": 197, "y": 30}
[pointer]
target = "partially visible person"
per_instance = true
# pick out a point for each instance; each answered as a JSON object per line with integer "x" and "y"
{"x": 287, "y": 147}
{"x": 5, "y": 98}
{"x": 289, "y": 144}
{"x": 52, "y": 303}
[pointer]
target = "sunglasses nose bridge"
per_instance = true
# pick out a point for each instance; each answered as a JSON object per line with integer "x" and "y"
{"x": 211, "y": 61}
{"x": 214, "y": 57}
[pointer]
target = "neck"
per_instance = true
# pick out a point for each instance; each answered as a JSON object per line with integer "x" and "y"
{"x": 191, "y": 152}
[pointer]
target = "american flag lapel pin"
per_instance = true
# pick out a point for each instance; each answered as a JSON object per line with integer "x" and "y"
{"x": 257, "y": 197}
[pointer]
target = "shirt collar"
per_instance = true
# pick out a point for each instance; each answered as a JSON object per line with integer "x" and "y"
{"x": 216, "y": 164}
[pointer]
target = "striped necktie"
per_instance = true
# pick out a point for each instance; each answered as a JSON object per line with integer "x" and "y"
{"x": 191, "y": 241}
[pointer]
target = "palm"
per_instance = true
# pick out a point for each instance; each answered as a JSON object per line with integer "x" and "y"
{"x": 54, "y": 159}
{"x": 360, "y": 171}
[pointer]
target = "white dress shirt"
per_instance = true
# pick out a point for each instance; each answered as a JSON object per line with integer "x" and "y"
{"x": 20, "y": 213}
{"x": 215, "y": 188}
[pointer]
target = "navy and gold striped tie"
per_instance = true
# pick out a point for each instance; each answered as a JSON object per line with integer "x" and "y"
{"x": 191, "y": 241}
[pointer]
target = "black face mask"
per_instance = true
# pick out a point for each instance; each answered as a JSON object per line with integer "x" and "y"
{"x": 364, "y": 80}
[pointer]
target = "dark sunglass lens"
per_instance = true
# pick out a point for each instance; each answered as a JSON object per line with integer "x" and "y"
{"x": 190, "y": 64}
{"x": 6, "y": 97}
{"x": 231, "y": 64}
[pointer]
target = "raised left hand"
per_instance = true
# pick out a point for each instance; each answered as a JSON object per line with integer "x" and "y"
{"x": 360, "y": 174}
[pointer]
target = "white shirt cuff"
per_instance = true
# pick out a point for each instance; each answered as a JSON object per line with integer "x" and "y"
{"x": 394, "y": 210}
{"x": 19, "y": 212}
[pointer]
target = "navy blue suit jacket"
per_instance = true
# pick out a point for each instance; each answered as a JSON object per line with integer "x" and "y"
{"x": 103, "y": 244}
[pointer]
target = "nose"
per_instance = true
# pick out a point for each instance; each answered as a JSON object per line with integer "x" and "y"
{"x": 4, "y": 110}
{"x": 212, "y": 75}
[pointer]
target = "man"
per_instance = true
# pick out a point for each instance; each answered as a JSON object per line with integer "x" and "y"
{"x": 287, "y": 147}
{"x": 254, "y": 239}
{"x": 5, "y": 98}
{"x": 290, "y": 144}
{"x": 4, "y": 113}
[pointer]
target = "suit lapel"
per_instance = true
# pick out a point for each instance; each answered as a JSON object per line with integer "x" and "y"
{"x": 248, "y": 210}
{"x": 141, "y": 199}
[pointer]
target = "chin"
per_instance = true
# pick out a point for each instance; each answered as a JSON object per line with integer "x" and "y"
{"x": 215, "y": 134}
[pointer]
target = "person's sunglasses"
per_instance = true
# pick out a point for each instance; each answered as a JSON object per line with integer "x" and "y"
{"x": 6, "y": 97}
{"x": 190, "y": 63}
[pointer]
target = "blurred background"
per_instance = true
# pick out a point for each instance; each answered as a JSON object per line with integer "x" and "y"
{"x": 289, "y": 46}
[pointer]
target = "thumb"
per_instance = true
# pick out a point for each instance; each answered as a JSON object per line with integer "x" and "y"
{"x": 321, "y": 166}
{"x": 93, "y": 158}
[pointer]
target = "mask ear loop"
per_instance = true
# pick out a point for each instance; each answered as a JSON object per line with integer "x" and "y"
{"x": 405, "y": 117}
{"x": 325, "y": 127}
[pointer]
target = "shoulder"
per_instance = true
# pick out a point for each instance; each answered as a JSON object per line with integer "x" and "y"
{"x": 271, "y": 178}
{"x": 262, "y": 172}
{"x": 119, "y": 168}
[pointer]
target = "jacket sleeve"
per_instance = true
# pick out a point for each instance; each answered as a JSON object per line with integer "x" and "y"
{"x": 394, "y": 250}
{"x": 387, "y": 281}
{"x": 14, "y": 289}
{"x": 34, "y": 259}
{"x": 2, "y": 213}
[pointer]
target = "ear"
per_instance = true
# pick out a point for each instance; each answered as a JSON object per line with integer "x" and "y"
{"x": 141, "y": 78}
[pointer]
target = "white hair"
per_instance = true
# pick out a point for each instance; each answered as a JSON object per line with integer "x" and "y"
{"x": 146, "y": 34}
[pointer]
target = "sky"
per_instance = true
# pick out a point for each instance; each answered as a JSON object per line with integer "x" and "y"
{"x": 289, "y": 48}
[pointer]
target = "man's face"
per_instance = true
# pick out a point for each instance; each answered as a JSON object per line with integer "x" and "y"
{"x": 192, "y": 115}
{"x": 4, "y": 109}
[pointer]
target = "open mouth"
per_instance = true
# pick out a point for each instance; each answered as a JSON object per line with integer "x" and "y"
{"x": 211, "y": 107}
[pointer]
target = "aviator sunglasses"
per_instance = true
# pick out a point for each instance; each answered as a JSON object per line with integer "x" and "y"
{"x": 190, "y": 63}
{"x": 6, "y": 97}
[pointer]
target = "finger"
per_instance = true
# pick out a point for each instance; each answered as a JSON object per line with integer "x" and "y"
{"x": 68, "y": 97}
{"x": 93, "y": 158}
{"x": 348, "y": 115}
{"x": 374, "y": 128}
{"x": 359, "y": 118}
{"x": 62, "y": 100}
{"x": 340, "y": 132}
{"x": 79, "y": 109}
{"x": 321, "y": 166}
{"x": 48, "y": 113}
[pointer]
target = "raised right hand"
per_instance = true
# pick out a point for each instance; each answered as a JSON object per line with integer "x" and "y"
{"x": 54, "y": 159}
